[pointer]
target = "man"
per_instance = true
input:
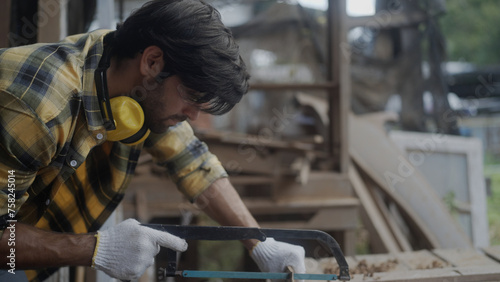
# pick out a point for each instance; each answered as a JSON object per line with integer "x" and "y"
{"x": 60, "y": 174}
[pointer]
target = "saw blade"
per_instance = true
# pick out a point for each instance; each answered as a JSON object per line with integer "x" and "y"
{"x": 255, "y": 275}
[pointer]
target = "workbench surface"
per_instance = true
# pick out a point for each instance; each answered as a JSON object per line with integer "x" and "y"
{"x": 425, "y": 265}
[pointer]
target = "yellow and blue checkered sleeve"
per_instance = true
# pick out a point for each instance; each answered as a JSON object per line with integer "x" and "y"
{"x": 189, "y": 162}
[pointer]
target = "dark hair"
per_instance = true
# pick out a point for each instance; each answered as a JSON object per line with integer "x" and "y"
{"x": 196, "y": 46}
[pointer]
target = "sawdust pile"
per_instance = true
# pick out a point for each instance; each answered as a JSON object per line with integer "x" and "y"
{"x": 367, "y": 269}
{"x": 432, "y": 265}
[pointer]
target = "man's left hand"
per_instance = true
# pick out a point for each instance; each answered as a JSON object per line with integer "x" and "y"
{"x": 275, "y": 256}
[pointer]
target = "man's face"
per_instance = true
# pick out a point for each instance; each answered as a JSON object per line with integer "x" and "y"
{"x": 164, "y": 106}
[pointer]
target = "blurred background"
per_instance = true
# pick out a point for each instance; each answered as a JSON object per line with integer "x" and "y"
{"x": 376, "y": 121}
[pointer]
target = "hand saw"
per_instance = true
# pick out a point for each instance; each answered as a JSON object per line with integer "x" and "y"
{"x": 222, "y": 233}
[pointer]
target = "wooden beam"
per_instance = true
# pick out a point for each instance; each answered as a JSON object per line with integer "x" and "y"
{"x": 141, "y": 206}
{"x": 493, "y": 252}
{"x": 376, "y": 221}
{"x": 401, "y": 239}
{"x": 338, "y": 74}
{"x": 319, "y": 184}
{"x": 256, "y": 141}
{"x": 80, "y": 274}
{"x": 334, "y": 219}
{"x": 422, "y": 259}
{"x": 387, "y": 19}
{"x": 51, "y": 20}
{"x": 465, "y": 257}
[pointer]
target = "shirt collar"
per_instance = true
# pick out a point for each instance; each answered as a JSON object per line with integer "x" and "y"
{"x": 89, "y": 94}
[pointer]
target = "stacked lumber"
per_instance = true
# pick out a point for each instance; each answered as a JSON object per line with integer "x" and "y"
{"x": 400, "y": 209}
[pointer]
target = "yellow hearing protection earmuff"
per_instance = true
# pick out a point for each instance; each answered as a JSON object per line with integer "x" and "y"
{"x": 123, "y": 116}
{"x": 129, "y": 121}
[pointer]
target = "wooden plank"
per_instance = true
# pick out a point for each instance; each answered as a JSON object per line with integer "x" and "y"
{"x": 338, "y": 72}
{"x": 379, "y": 157}
{"x": 319, "y": 184}
{"x": 263, "y": 206}
{"x": 465, "y": 257}
{"x": 79, "y": 274}
{"x": 334, "y": 219}
{"x": 350, "y": 241}
{"x": 141, "y": 206}
{"x": 90, "y": 274}
{"x": 493, "y": 252}
{"x": 400, "y": 238}
{"x": 431, "y": 275}
{"x": 246, "y": 158}
{"x": 479, "y": 273}
{"x": 428, "y": 275}
{"x": 292, "y": 224}
{"x": 376, "y": 221}
{"x": 51, "y": 20}
{"x": 421, "y": 266}
{"x": 422, "y": 259}
{"x": 257, "y": 141}
{"x": 381, "y": 19}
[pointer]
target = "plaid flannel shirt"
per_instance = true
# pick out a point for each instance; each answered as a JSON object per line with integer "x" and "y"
{"x": 64, "y": 175}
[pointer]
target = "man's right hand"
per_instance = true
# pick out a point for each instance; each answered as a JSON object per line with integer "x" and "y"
{"x": 126, "y": 250}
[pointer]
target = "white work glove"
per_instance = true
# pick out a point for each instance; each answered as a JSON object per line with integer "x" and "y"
{"x": 274, "y": 256}
{"x": 126, "y": 250}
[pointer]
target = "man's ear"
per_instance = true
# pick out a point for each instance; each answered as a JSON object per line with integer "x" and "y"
{"x": 152, "y": 61}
